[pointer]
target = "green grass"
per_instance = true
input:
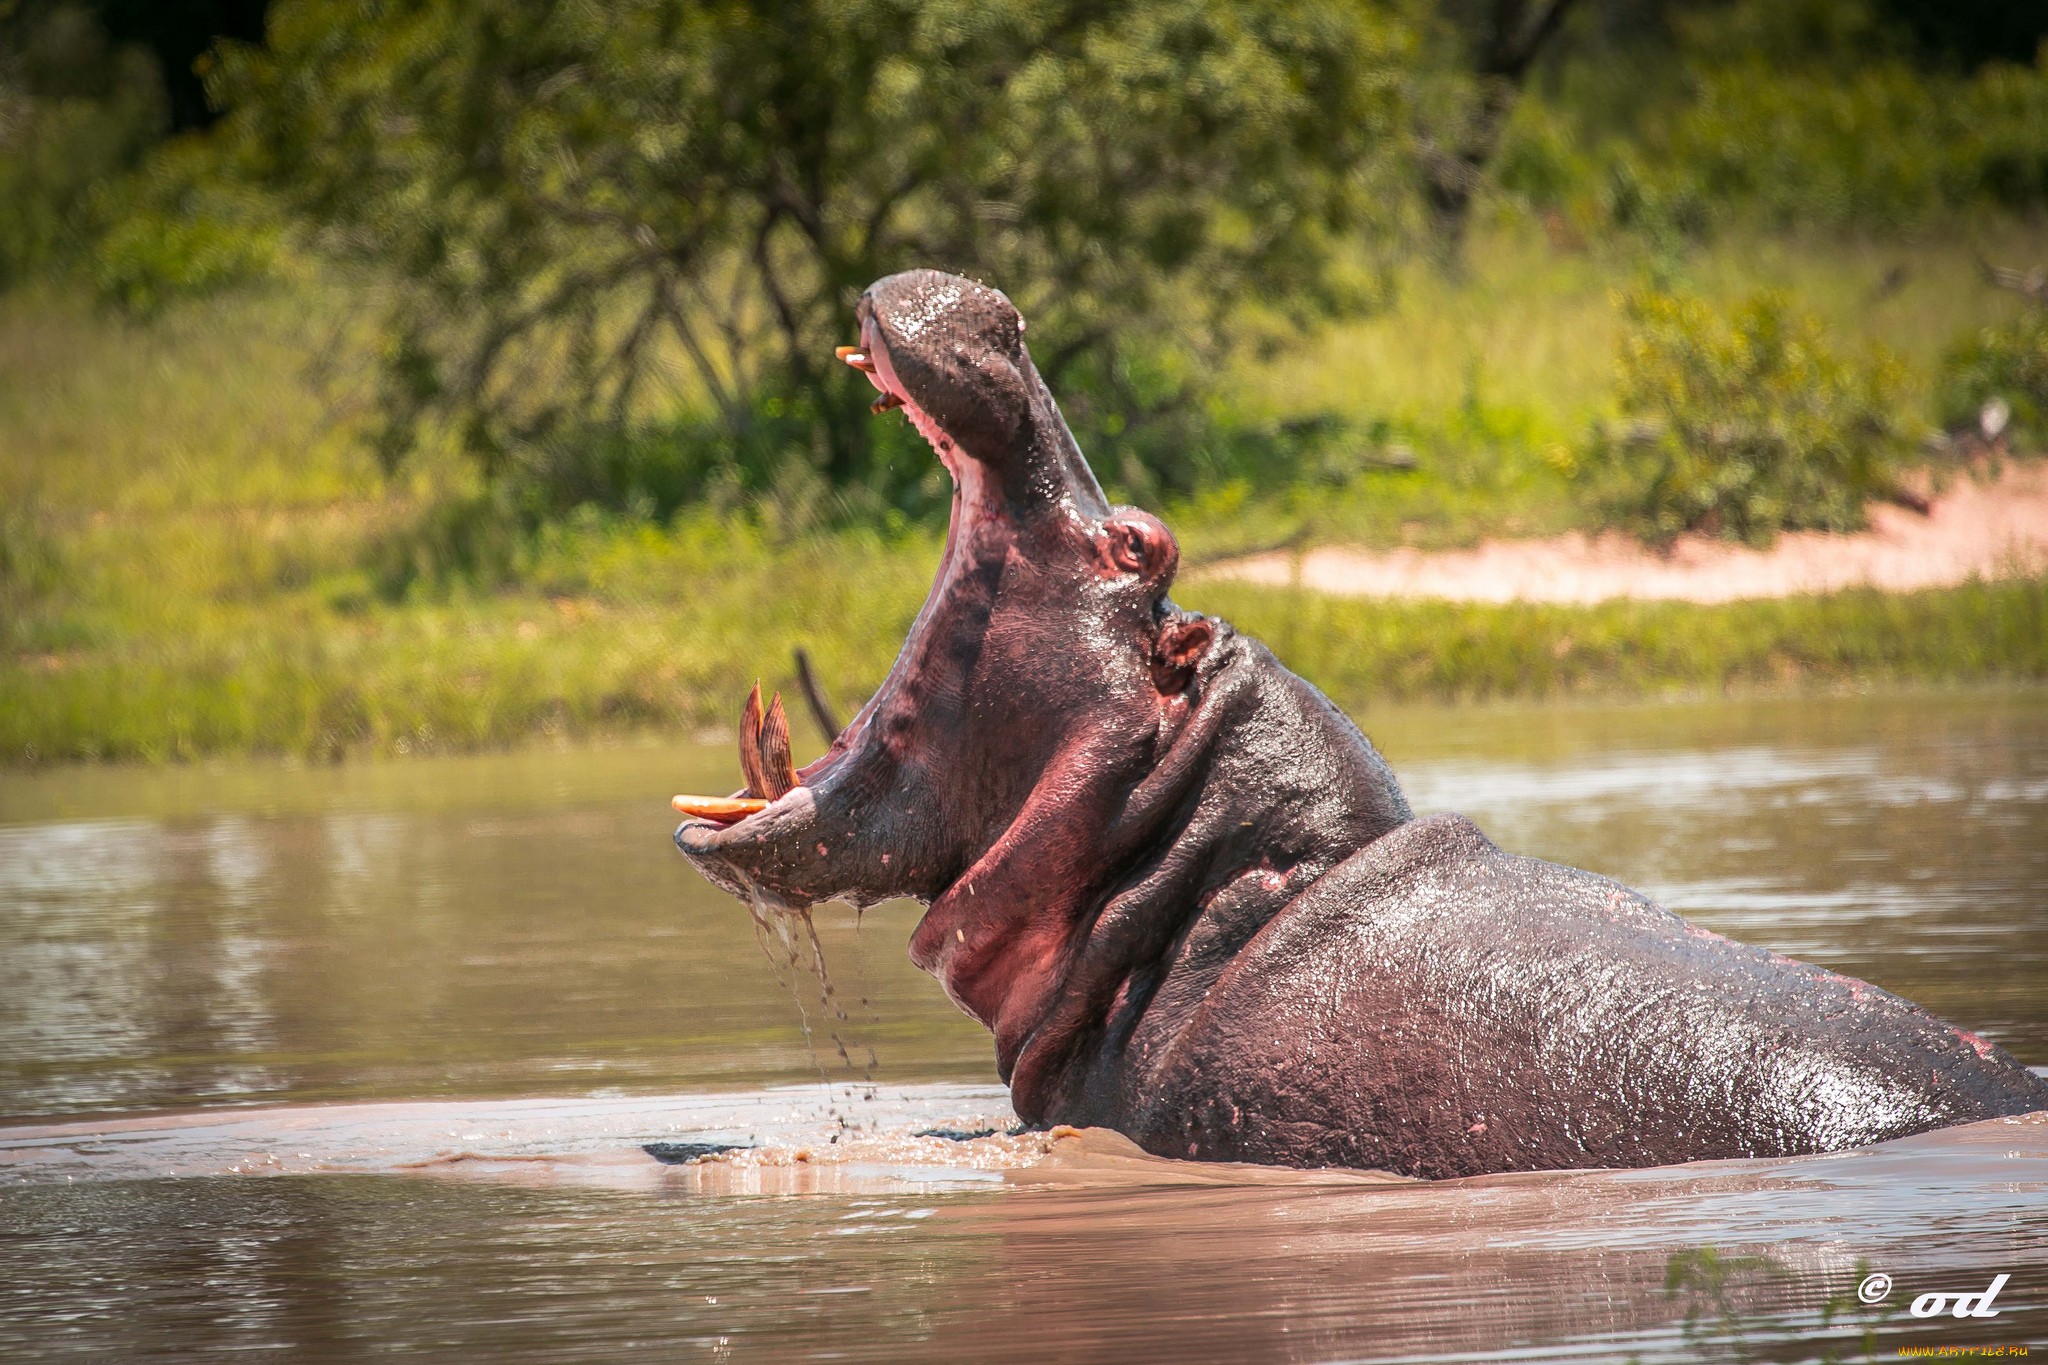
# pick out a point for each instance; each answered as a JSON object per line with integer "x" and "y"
{"x": 515, "y": 668}
{"x": 1533, "y": 325}
{"x": 190, "y": 532}
{"x": 1361, "y": 651}
{"x": 621, "y": 629}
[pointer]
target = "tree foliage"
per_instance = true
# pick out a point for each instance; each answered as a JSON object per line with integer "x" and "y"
{"x": 75, "y": 113}
{"x": 582, "y": 203}
{"x": 1792, "y": 112}
{"x": 1488, "y": 51}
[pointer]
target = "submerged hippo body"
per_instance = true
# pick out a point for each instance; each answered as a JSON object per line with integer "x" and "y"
{"x": 1190, "y": 901}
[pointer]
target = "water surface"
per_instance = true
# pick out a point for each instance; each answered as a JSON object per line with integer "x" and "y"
{"x": 468, "y": 930}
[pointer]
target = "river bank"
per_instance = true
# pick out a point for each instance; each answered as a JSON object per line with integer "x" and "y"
{"x": 1991, "y": 525}
{"x": 519, "y": 669}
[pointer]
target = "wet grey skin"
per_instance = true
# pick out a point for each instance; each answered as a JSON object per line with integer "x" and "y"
{"x": 1188, "y": 898}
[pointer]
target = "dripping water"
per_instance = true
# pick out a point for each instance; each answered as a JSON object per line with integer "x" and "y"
{"x": 789, "y": 937}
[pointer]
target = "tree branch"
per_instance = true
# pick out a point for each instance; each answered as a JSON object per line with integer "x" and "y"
{"x": 1071, "y": 350}
{"x": 888, "y": 201}
{"x": 821, "y": 709}
{"x": 735, "y": 416}
{"x": 1512, "y": 61}
{"x": 792, "y": 330}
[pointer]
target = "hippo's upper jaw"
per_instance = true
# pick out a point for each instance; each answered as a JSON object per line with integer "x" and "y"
{"x": 1187, "y": 897}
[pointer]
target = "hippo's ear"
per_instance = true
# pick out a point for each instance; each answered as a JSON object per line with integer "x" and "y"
{"x": 1180, "y": 646}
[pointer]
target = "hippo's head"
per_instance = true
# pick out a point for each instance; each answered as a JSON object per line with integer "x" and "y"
{"x": 1026, "y": 746}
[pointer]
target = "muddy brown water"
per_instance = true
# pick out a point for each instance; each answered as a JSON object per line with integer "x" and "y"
{"x": 337, "y": 1062}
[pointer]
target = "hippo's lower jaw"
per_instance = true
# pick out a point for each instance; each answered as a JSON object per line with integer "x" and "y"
{"x": 1186, "y": 894}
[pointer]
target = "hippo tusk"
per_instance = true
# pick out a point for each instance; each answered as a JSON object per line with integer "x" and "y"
{"x": 751, "y": 720}
{"x": 854, "y": 356}
{"x": 778, "y": 769}
{"x": 764, "y": 758}
{"x": 764, "y": 747}
{"x": 885, "y": 402}
{"x": 723, "y": 809}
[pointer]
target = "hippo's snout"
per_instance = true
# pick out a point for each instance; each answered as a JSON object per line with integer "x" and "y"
{"x": 764, "y": 855}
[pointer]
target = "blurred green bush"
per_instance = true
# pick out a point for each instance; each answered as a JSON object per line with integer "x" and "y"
{"x": 1881, "y": 146}
{"x": 2008, "y": 364}
{"x": 181, "y": 226}
{"x": 1742, "y": 425}
{"x": 89, "y": 183}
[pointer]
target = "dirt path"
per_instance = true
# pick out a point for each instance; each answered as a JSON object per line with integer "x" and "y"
{"x": 1980, "y": 529}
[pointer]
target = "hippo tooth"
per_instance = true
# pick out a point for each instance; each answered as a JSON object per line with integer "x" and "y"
{"x": 750, "y": 744}
{"x": 854, "y": 356}
{"x": 724, "y": 809}
{"x": 885, "y": 402}
{"x": 778, "y": 770}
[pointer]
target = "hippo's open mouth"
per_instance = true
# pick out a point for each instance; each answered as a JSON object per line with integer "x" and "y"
{"x": 1045, "y": 677}
{"x": 764, "y": 743}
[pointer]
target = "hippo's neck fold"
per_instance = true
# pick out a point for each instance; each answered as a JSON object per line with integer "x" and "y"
{"x": 1135, "y": 871}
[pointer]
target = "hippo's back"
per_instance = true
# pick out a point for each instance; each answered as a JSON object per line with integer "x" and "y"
{"x": 1438, "y": 1007}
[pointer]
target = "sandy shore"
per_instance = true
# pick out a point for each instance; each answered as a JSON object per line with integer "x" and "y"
{"x": 1977, "y": 529}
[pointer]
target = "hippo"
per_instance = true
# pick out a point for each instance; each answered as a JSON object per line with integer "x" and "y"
{"x": 1186, "y": 894}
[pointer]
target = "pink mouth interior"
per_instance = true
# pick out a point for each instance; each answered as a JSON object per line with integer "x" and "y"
{"x": 968, "y": 492}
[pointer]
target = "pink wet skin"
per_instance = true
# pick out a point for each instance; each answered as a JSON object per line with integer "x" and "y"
{"x": 1186, "y": 894}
